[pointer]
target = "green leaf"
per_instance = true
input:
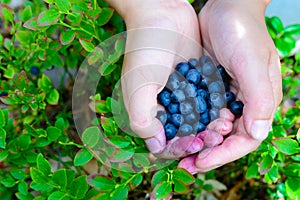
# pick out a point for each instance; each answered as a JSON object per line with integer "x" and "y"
{"x": 52, "y": 97}
{"x": 292, "y": 169}
{"x": 2, "y": 138}
{"x": 60, "y": 178}
{"x": 32, "y": 24}
{"x": 26, "y": 13}
{"x": 60, "y": 123}
{"x": 7, "y": 13}
{"x": 293, "y": 29}
{"x": 266, "y": 164}
{"x": 292, "y": 185}
{"x": 90, "y": 136}
{"x": 105, "y": 16}
{"x": 38, "y": 176}
{"x": 79, "y": 187}
{"x": 43, "y": 165}
{"x": 184, "y": 176}
{"x": 18, "y": 174}
{"x": 2, "y": 119}
{"x": 120, "y": 193}
{"x": 63, "y": 5}
{"x": 272, "y": 175}
{"x": 82, "y": 157}
{"x": 109, "y": 126}
{"x": 48, "y": 17}
{"x": 88, "y": 46}
{"x": 24, "y": 37}
{"x": 37, "y": 186}
{"x": 45, "y": 83}
{"x": 7, "y": 181}
{"x": 107, "y": 68}
{"x": 141, "y": 160}
{"x": 252, "y": 171}
{"x": 23, "y": 187}
{"x": 58, "y": 195}
{"x": 162, "y": 190}
{"x": 159, "y": 177}
{"x": 137, "y": 180}
{"x": 122, "y": 154}
{"x": 3, "y": 155}
{"x": 119, "y": 141}
{"x": 277, "y": 24}
{"x": 286, "y": 145}
{"x": 180, "y": 187}
{"x": 53, "y": 133}
{"x": 75, "y": 18}
{"x": 66, "y": 37}
{"x": 103, "y": 183}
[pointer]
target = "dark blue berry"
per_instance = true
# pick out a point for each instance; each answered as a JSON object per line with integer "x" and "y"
{"x": 173, "y": 108}
{"x": 182, "y": 68}
{"x": 3, "y": 94}
{"x": 229, "y": 97}
{"x": 162, "y": 116}
{"x": 216, "y": 87}
{"x": 236, "y": 108}
{"x": 214, "y": 113}
{"x": 186, "y": 107}
{"x": 193, "y": 76}
{"x": 226, "y": 86}
{"x": 190, "y": 90}
{"x": 185, "y": 130}
{"x": 205, "y": 59}
{"x": 208, "y": 69}
{"x": 198, "y": 127}
{"x": 205, "y": 118}
{"x": 191, "y": 118}
{"x": 176, "y": 119}
{"x": 193, "y": 62}
{"x": 202, "y": 84}
{"x": 178, "y": 96}
{"x": 164, "y": 98}
{"x": 200, "y": 104}
{"x": 34, "y": 70}
{"x": 170, "y": 131}
{"x": 202, "y": 93}
{"x": 217, "y": 100}
{"x": 173, "y": 81}
{"x": 225, "y": 76}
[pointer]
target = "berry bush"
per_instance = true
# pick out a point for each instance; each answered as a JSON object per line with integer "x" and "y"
{"x": 42, "y": 45}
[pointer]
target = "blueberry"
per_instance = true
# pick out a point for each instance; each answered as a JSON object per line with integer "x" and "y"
{"x": 217, "y": 100}
{"x": 173, "y": 82}
{"x": 226, "y": 86}
{"x": 216, "y": 87}
{"x": 3, "y": 94}
{"x": 193, "y": 62}
{"x": 182, "y": 85}
{"x": 208, "y": 69}
{"x": 185, "y": 130}
{"x": 205, "y": 59}
{"x": 202, "y": 84}
{"x": 176, "y": 119}
{"x": 200, "y": 104}
{"x": 173, "y": 108}
{"x": 170, "y": 131}
{"x": 182, "y": 68}
{"x": 178, "y": 96}
{"x": 186, "y": 107}
{"x": 202, "y": 93}
{"x": 162, "y": 116}
{"x": 225, "y": 76}
{"x": 191, "y": 118}
{"x": 34, "y": 70}
{"x": 236, "y": 108}
{"x": 204, "y": 118}
{"x": 164, "y": 98}
{"x": 214, "y": 113}
{"x": 198, "y": 127}
{"x": 193, "y": 76}
{"x": 229, "y": 97}
{"x": 190, "y": 90}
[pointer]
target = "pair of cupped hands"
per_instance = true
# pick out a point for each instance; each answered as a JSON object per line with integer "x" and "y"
{"x": 161, "y": 33}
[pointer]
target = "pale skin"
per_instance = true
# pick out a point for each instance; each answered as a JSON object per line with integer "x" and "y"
{"x": 234, "y": 33}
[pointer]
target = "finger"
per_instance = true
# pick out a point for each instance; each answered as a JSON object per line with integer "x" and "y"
{"x": 210, "y": 138}
{"x": 188, "y": 164}
{"x": 225, "y": 113}
{"x": 221, "y": 126}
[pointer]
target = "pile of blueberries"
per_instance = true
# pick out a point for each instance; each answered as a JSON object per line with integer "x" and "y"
{"x": 193, "y": 96}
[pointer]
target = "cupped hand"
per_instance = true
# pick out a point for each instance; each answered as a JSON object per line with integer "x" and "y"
{"x": 234, "y": 34}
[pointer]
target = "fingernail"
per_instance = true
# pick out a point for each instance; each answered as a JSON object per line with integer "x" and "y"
{"x": 260, "y": 129}
{"x": 153, "y": 145}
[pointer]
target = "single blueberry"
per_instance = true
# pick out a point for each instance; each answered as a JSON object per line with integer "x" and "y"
{"x": 229, "y": 97}
{"x": 208, "y": 69}
{"x": 214, "y": 113}
{"x": 191, "y": 118}
{"x": 200, "y": 104}
{"x": 185, "y": 130}
{"x": 182, "y": 68}
{"x": 182, "y": 85}
{"x": 193, "y": 62}
{"x": 204, "y": 118}
{"x": 198, "y": 127}
{"x": 236, "y": 108}
{"x": 178, "y": 96}
{"x": 164, "y": 98}
{"x": 186, "y": 107}
{"x": 193, "y": 76}
{"x": 216, "y": 87}
{"x": 190, "y": 90}
{"x": 176, "y": 119}
{"x": 173, "y": 108}
{"x": 173, "y": 82}
{"x": 34, "y": 70}
{"x": 3, "y": 94}
{"x": 225, "y": 76}
{"x": 217, "y": 100}
{"x": 203, "y": 93}
{"x": 170, "y": 131}
{"x": 205, "y": 59}
{"x": 162, "y": 116}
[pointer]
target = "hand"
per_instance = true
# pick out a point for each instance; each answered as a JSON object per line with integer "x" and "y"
{"x": 235, "y": 34}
